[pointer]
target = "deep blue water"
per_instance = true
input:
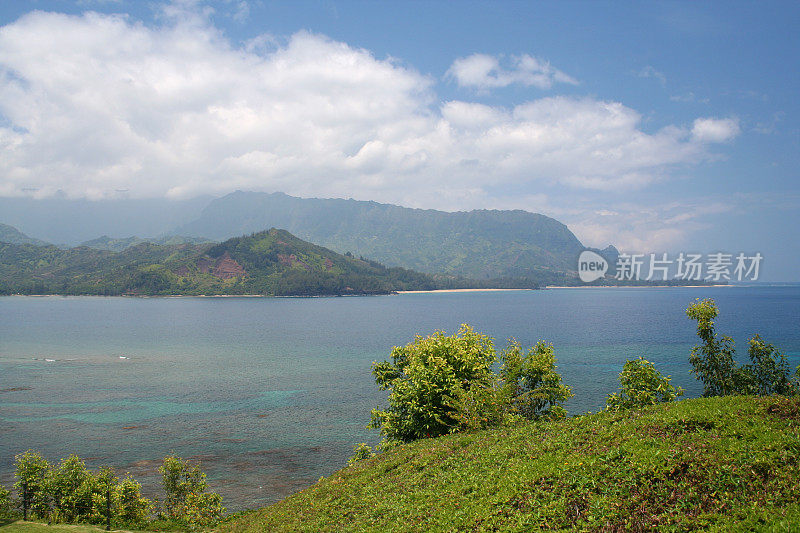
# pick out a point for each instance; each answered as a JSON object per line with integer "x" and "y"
{"x": 271, "y": 393}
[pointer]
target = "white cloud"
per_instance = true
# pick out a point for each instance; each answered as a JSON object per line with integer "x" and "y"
{"x": 650, "y": 72}
{"x": 657, "y": 228}
{"x": 93, "y": 104}
{"x": 484, "y": 72}
{"x": 715, "y": 130}
{"x": 771, "y": 126}
{"x": 241, "y": 12}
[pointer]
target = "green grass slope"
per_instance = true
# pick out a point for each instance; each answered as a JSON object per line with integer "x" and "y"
{"x": 20, "y": 526}
{"x": 723, "y": 464}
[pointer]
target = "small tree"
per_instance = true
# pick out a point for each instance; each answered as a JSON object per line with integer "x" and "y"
{"x": 179, "y": 479}
{"x": 769, "y": 370}
{"x": 441, "y": 384}
{"x": 99, "y": 487}
{"x": 203, "y": 509}
{"x": 532, "y": 382}
{"x": 131, "y": 507}
{"x": 31, "y": 473}
{"x": 186, "y": 497}
{"x": 641, "y": 385}
{"x": 70, "y": 485}
{"x": 712, "y": 362}
{"x": 423, "y": 375}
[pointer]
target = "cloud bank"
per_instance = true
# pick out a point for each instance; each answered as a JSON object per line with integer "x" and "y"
{"x": 95, "y": 104}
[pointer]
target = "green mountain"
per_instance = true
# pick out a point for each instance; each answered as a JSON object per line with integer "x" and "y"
{"x": 12, "y": 235}
{"x": 119, "y": 244}
{"x": 273, "y": 262}
{"x": 478, "y": 244}
{"x": 711, "y": 464}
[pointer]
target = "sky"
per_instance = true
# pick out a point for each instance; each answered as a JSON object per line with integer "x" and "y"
{"x": 656, "y": 127}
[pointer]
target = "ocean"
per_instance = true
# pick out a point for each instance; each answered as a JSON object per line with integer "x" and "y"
{"x": 269, "y": 394}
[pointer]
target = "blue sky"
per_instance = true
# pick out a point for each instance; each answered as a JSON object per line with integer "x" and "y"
{"x": 658, "y": 127}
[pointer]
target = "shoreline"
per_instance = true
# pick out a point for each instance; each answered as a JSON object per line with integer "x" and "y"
{"x": 460, "y": 290}
{"x": 636, "y": 286}
{"x": 192, "y": 295}
{"x": 432, "y": 291}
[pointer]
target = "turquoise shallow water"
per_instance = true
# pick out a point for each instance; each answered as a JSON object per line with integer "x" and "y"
{"x": 271, "y": 393}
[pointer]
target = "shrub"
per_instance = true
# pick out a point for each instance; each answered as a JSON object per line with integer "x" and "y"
{"x": 361, "y": 451}
{"x": 98, "y": 488}
{"x": 186, "y": 497}
{"x": 69, "y": 492}
{"x": 641, "y": 385}
{"x": 713, "y": 362}
{"x": 203, "y": 509}
{"x": 532, "y": 383}
{"x": 180, "y": 479}
{"x": 769, "y": 370}
{"x": 71, "y": 487}
{"x": 31, "y": 470}
{"x": 423, "y": 375}
{"x": 131, "y": 508}
{"x": 6, "y": 505}
{"x": 481, "y": 406}
{"x": 442, "y": 384}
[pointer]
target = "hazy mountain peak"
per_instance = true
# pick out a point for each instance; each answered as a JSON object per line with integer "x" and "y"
{"x": 12, "y": 235}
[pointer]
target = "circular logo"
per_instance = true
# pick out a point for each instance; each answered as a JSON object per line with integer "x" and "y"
{"x": 591, "y": 266}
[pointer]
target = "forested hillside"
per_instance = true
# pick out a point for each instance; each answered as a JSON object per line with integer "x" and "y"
{"x": 272, "y": 262}
{"x": 478, "y": 244}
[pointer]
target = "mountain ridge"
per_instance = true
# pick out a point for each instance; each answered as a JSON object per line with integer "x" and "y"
{"x": 270, "y": 263}
{"x": 478, "y": 244}
{"x": 118, "y": 244}
{"x": 12, "y": 235}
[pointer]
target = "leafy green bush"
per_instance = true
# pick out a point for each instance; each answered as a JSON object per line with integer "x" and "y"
{"x": 423, "y": 375}
{"x": 31, "y": 471}
{"x": 532, "y": 383}
{"x": 713, "y": 362}
{"x": 641, "y": 385}
{"x": 6, "y": 504}
{"x": 442, "y": 384}
{"x": 481, "y": 406}
{"x": 71, "y": 486}
{"x": 180, "y": 479}
{"x": 770, "y": 371}
{"x": 131, "y": 508}
{"x": 69, "y": 492}
{"x": 101, "y": 486}
{"x": 186, "y": 497}
{"x": 203, "y": 509}
{"x": 361, "y": 451}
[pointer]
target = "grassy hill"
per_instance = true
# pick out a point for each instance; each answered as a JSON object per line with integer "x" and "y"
{"x": 273, "y": 262}
{"x": 725, "y": 464}
{"x": 478, "y": 244}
